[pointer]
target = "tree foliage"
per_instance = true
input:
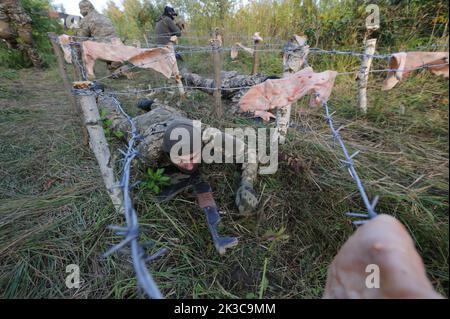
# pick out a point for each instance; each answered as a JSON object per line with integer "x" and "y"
{"x": 327, "y": 23}
{"x": 41, "y": 24}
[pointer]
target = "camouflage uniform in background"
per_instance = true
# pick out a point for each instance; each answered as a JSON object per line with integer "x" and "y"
{"x": 153, "y": 125}
{"x": 294, "y": 59}
{"x": 16, "y": 30}
{"x": 166, "y": 27}
{"x": 94, "y": 24}
{"x": 98, "y": 26}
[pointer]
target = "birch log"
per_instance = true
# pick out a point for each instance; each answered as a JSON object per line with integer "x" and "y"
{"x": 293, "y": 60}
{"x": 63, "y": 71}
{"x": 216, "y": 43}
{"x": 99, "y": 146}
{"x": 173, "y": 41}
{"x": 363, "y": 75}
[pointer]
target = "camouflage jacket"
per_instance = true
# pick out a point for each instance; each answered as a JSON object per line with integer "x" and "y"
{"x": 96, "y": 25}
{"x": 152, "y": 126}
{"x": 166, "y": 28}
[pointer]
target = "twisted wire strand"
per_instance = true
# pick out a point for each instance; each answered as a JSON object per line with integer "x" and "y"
{"x": 131, "y": 232}
{"x": 350, "y": 164}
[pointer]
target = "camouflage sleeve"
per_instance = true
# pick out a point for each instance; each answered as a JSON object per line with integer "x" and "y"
{"x": 173, "y": 28}
{"x": 151, "y": 148}
{"x": 84, "y": 30}
{"x": 250, "y": 164}
{"x": 195, "y": 80}
{"x": 234, "y": 85}
{"x": 235, "y": 150}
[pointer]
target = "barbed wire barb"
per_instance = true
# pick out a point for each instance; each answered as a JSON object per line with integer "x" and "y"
{"x": 349, "y": 163}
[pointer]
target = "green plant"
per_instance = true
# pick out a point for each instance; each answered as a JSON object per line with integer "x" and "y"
{"x": 155, "y": 180}
{"x": 107, "y": 123}
{"x": 41, "y": 24}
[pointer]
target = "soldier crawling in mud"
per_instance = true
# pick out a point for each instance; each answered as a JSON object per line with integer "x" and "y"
{"x": 160, "y": 128}
{"x": 16, "y": 30}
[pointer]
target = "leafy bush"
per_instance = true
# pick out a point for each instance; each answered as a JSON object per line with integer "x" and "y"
{"x": 155, "y": 180}
{"x": 41, "y": 24}
{"x": 107, "y": 123}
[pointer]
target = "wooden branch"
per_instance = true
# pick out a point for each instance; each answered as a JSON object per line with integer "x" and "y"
{"x": 291, "y": 64}
{"x": 63, "y": 72}
{"x": 216, "y": 43}
{"x": 99, "y": 146}
{"x": 174, "y": 40}
{"x": 363, "y": 75}
{"x": 256, "y": 43}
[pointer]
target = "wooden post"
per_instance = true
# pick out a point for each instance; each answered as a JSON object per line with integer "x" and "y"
{"x": 63, "y": 71}
{"x": 216, "y": 43}
{"x": 256, "y": 44}
{"x": 363, "y": 74}
{"x": 79, "y": 74}
{"x": 99, "y": 146}
{"x": 291, "y": 63}
{"x": 173, "y": 41}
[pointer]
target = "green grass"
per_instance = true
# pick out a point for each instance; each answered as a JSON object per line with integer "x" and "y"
{"x": 54, "y": 210}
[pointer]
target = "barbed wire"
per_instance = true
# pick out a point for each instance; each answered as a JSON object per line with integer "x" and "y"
{"x": 350, "y": 164}
{"x": 76, "y": 60}
{"x": 277, "y": 48}
{"x": 131, "y": 232}
{"x": 237, "y": 88}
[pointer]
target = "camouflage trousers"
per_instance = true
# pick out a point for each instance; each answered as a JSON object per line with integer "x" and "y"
{"x": 233, "y": 83}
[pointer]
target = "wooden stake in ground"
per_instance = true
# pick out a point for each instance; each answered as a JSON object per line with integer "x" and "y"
{"x": 293, "y": 61}
{"x": 99, "y": 144}
{"x": 63, "y": 71}
{"x": 363, "y": 74}
{"x": 372, "y": 24}
{"x": 173, "y": 41}
{"x": 77, "y": 62}
{"x": 256, "y": 44}
{"x": 80, "y": 74}
{"x": 216, "y": 43}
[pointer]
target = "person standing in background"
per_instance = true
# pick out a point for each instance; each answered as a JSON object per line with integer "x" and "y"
{"x": 166, "y": 26}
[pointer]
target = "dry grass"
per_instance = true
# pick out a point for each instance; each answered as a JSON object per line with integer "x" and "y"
{"x": 54, "y": 210}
